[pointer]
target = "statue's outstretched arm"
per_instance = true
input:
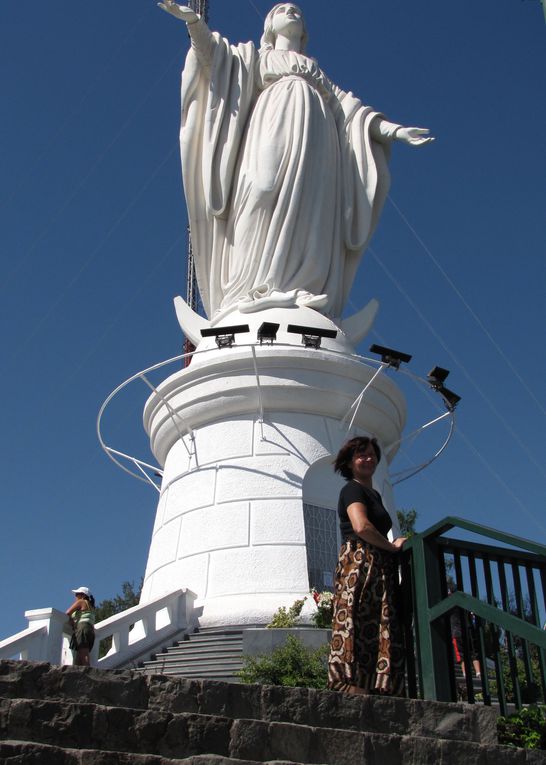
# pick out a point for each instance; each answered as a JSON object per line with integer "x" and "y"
{"x": 413, "y": 136}
{"x": 384, "y": 131}
{"x": 202, "y": 40}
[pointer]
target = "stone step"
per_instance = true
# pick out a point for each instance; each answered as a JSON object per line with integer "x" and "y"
{"x": 220, "y": 665}
{"x": 209, "y": 637}
{"x": 193, "y": 660}
{"x": 228, "y": 629}
{"x": 208, "y": 644}
{"x": 205, "y": 651}
{"x": 177, "y": 736}
{"x": 269, "y": 704}
{"x": 218, "y": 673}
{"x": 216, "y": 655}
{"x": 26, "y": 752}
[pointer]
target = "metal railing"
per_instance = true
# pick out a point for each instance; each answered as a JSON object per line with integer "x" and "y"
{"x": 479, "y": 606}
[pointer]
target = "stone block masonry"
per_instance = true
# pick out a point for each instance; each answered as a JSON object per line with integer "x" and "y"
{"x": 80, "y": 716}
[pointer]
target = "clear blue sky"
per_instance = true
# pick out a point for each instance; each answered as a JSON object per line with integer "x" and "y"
{"x": 92, "y": 231}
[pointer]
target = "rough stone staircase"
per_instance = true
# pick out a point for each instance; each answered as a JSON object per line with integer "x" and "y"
{"x": 51, "y": 715}
{"x": 214, "y": 654}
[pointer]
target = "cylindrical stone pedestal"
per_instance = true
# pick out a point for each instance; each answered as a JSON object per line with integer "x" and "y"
{"x": 230, "y": 522}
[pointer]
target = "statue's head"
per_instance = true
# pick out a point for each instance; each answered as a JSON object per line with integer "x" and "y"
{"x": 278, "y": 15}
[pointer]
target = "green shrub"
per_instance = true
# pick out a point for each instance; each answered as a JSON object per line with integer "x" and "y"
{"x": 530, "y": 691}
{"x": 323, "y": 616}
{"x": 526, "y": 728}
{"x": 286, "y": 618}
{"x": 291, "y": 664}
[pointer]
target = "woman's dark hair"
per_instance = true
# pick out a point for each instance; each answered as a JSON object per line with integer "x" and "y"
{"x": 342, "y": 463}
{"x": 89, "y": 598}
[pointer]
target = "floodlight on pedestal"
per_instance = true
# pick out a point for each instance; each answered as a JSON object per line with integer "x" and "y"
{"x": 390, "y": 357}
{"x": 437, "y": 377}
{"x": 311, "y": 337}
{"x": 225, "y": 336}
{"x": 451, "y": 399}
{"x": 267, "y": 332}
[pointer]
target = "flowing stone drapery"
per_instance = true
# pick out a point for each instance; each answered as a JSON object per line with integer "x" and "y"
{"x": 283, "y": 179}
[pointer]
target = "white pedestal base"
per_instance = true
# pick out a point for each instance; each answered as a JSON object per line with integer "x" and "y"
{"x": 229, "y": 522}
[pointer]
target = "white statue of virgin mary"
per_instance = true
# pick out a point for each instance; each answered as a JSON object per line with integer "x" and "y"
{"x": 285, "y": 175}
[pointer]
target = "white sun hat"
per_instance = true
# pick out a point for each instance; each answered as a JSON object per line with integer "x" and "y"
{"x": 83, "y": 590}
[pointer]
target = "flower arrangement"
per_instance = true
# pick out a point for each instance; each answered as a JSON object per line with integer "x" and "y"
{"x": 325, "y": 606}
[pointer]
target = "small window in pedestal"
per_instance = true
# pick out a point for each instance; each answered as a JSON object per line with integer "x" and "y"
{"x": 323, "y": 542}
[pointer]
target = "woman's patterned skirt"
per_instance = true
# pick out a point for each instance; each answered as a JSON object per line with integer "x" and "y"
{"x": 367, "y": 648}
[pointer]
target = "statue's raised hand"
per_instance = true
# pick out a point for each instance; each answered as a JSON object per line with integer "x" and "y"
{"x": 414, "y": 136}
{"x": 183, "y": 12}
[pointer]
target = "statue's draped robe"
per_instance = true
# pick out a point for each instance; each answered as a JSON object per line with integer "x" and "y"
{"x": 283, "y": 180}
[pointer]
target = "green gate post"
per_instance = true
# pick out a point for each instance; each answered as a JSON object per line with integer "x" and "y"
{"x": 432, "y": 646}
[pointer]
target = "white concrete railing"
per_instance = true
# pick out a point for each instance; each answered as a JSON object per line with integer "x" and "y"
{"x": 41, "y": 641}
{"x": 141, "y": 628}
{"x": 134, "y": 632}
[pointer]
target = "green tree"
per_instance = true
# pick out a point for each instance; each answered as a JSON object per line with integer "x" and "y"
{"x": 128, "y": 598}
{"x": 406, "y": 521}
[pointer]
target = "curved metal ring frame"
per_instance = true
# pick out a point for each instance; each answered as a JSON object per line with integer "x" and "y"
{"x": 113, "y": 454}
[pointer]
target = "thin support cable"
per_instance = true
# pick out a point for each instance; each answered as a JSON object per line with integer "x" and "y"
{"x": 358, "y": 400}
{"x": 173, "y": 415}
{"x": 419, "y": 468}
{"x": 416, "y": 432}
{"x": 432, "y": 330}
{"x": 470, "y": 310}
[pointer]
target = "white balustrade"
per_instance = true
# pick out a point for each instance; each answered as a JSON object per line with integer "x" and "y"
{"x": 41, "y": 641}
{"x": 134, "y": 632}
{"x": 139, "y": 629}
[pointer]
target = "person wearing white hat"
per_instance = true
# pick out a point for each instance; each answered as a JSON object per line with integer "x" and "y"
{"x": 82, "y": 619}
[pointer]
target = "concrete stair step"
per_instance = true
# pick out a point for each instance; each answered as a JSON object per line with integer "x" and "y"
{"x": 216, "y": 675}
{"x": 182, "y": 669}
{"x": 177, "y": 736}
{"x": 216, "y": 655}
{"x": 206, "y": 651}
{"x": 208, "y": 644}
{"x": 221, "y": 636}
{"x": 227, "y": 629}
{"x": 194, "y": 660}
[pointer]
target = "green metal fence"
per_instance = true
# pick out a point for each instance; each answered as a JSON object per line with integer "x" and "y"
{"x": 491, "y": 599}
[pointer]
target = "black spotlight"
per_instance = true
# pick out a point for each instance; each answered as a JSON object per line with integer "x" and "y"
{"x": 451, "y": 399}
{"x": 437, "y": 377}
{"x": 390, "y": 356}
{"x": 267, "y": 332}
{"x": 224, "y": 336}
{"x": 311, "y": 336}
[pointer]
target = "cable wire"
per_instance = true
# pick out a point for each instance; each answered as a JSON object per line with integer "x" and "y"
{"x": 474, "y": 315}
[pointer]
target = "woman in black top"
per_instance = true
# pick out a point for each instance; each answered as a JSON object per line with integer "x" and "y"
{"x": 366, "y": 652}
